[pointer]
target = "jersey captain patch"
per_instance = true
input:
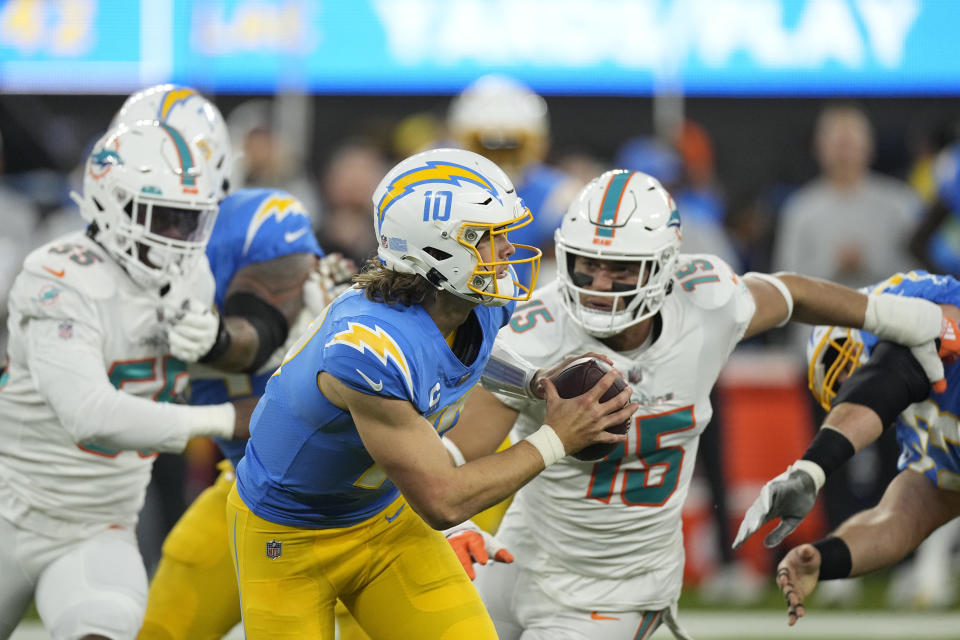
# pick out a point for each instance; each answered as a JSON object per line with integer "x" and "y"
{"x": 378, "y": 342}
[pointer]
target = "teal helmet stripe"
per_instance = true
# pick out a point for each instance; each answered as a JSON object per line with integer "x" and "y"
{"x": 183, "y": 152}
{"x": 611, "y": 199}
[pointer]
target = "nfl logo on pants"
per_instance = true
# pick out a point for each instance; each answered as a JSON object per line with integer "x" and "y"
{"x": 274, "y": 549}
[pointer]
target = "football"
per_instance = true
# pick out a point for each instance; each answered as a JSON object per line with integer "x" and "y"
{"x": 576, "y": 379}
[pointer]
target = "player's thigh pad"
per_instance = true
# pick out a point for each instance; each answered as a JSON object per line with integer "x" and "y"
{"x": 284, "y": 594}
{"x": 193, "y": 595}
{"x": 17, "y": 577}
{"x": 98, "y": 588}
{"x": 420, "y": 589}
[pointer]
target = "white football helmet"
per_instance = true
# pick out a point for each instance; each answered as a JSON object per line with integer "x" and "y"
{"x": 432, "y": 209}
{"x": 503, "y": 120}
{"x": 153, "y": 205}
{"x": 621, "y": 215}
{"x": 194, "y": 116}
{"x": 833, "y": 353}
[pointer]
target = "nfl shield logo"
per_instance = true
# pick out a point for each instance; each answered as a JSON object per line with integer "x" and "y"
{"x": 274, "y": 548}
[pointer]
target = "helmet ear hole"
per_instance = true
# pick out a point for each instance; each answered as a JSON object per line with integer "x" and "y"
{"x": 437, "y": 254}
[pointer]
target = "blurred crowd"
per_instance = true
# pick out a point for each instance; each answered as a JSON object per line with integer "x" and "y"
{"x": 848, "y": 223}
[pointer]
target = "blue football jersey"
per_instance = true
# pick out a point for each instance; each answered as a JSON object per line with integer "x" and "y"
{"x": 927, "y": 430}
{"x": 305, "y": 464}
{"x": 253, "y": 225}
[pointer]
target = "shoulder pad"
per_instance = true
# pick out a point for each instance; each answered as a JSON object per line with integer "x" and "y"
{"x": 537, "y": 328}
{"x": 75, "y": 262}
{"x": 371, "y": 355}
{"x": 272, "y": 222}
{"x": 705, "y": 280}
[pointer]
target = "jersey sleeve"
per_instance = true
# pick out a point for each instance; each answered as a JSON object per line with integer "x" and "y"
{"x": 372, "y": 357}
{"x": 941, "y": 289}
{"x": 279, "y": 226}
{"x": 710, "y": 284}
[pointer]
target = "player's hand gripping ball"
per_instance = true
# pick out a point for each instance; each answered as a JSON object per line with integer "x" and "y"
{"x": 576, "y": 379}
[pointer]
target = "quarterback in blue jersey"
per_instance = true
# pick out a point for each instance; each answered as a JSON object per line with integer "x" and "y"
{"x": 346, "y": 436}
{"x": 870, "y": 385}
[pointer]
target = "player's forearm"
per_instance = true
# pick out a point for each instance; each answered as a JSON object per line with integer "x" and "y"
{"x": 118, "y": 420}
{"x": 475, "y": 486}
{"x": 818, "y": 301}
{"x": 72, "y": 380}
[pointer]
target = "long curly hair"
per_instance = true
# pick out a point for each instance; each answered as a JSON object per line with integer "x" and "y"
{"x": 380, "y": 284}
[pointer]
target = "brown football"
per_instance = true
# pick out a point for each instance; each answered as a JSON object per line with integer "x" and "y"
{"x": 576, "y": 379}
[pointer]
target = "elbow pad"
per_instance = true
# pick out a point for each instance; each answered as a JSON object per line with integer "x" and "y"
{"x": 507, "y": 372}
{"x": 271, "y": 325}
{"x": 888, "y": 383}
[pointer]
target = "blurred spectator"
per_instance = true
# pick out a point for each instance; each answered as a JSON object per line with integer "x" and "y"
{"x": 348, "y": 182}
{"x": 700, "y": 204}
{"x": 849, "y": 225}
{"x": 18, "y": 219}
{"x": 265, "y": 158}
{"x": 503, "y": 120}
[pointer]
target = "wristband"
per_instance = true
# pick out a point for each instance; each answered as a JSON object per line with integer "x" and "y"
{"x": 220, "y": 345}
{"x": 548, "y": 443}
{"x": 835, "y": 562}
{"x": 458, "y": 459}
{"x": 214, "y": 420}
{"x": 829, "y": 449}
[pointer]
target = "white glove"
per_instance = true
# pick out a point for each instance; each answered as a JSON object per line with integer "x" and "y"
{"x": 328, "y": 280}
{"x": 790, "y": 496}
{"x": 191, "y": 330}
{"x": 473, "y": 544}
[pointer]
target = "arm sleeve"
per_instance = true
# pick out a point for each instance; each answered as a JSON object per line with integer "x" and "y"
{"x": 888, "y": 383}
{"x": 71, "y": 377}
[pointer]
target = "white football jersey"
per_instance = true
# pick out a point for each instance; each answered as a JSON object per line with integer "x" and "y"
{"x": 608, "y": 534}
{"x": 77, "y": 320}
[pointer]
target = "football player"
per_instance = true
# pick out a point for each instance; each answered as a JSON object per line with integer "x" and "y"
{"x": 868, "y": 384}
{"x": 599, "y": 545}
{"x": 506, "y": 122}
{"x": 345, "y": 479}
{"x": 102, "y": 323}
{"x": 263, "y": 254}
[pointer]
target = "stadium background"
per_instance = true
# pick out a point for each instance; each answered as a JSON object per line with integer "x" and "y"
{"x": 753, "y": 74}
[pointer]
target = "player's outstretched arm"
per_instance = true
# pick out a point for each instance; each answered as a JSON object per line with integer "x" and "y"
{"x": 911, "y": 322}
{"x": 261, "y": 304}
{"x": 70, "y": 375}
{"x": 408, "y": 450}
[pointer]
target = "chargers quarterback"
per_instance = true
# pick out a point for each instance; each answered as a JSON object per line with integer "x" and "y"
{"x": 598, "y": 545}
{"x": 867, "y": 385}
{"x": 102, "y": 324}
{"x": 345, "y": 477}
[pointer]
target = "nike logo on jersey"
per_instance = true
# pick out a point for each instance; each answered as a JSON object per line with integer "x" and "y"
{"x": 376, "y": 386}
{"x": 396, "y": 513}
{"x": 597, "y": 616}
{"x": 59, "y": 274}
{"x": 293, "y": 236}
